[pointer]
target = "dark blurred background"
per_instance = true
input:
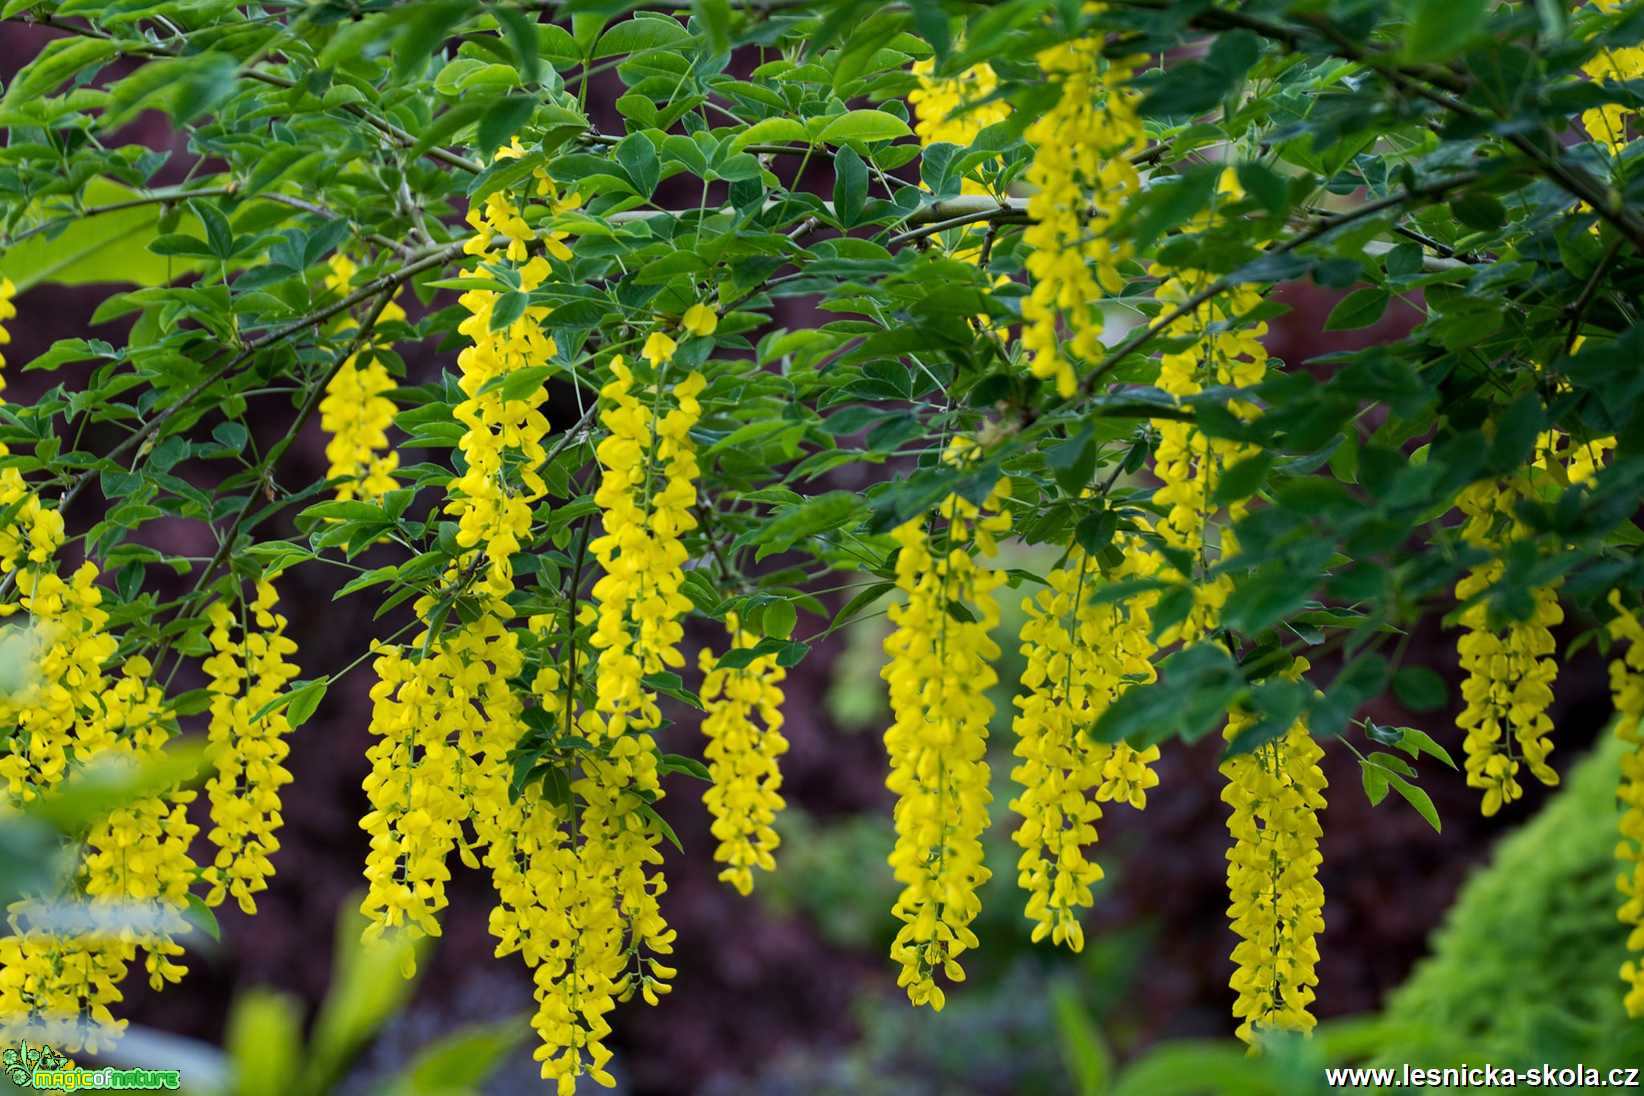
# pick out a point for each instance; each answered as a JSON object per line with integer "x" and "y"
{"x": 791, "y": 990}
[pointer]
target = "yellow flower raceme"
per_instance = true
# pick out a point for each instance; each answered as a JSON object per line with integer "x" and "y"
{"x": 1627, "y": 690}
{"x": 646, "y": 491}
{"x": 55, "y": 714}
{"x": 57, "y": 989}
{"x": 445, "y": 722}
{"x": 555, "y": 908}
{"x": 1510, "y": 673}
{"x": 743, "y": 724}
{"x": 502, "y": 442}
{"x": 940, "y": 667}
{"x": 355, "y": 414}
{"x": 1080, "y": 656}
{"x": 952, "y": 110}
{"x": 247, "y": 751}
{"x": 1276, "y": 904}
{"x": 138, "y": 854}
{"x": 1082, "y": 179}
{"x": 1186, "y": 461}
{"x": 8, "y": 310}
{"x": 60, "y": 710}
{"x": 416, "y": 806}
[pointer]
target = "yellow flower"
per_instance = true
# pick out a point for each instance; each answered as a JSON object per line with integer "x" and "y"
{"x": 659, "y": 348}
{"x": 940, "y": 666}
{"x": 742, "y": 758}
{"x": 1276, "y": 904}
{"x": 1080, "y": 657}
{"x": 1627, "y": 689}
{"x": 1082, "y": 179}
{"x": 700, "y": 319}
{"x": 246, "y": 750}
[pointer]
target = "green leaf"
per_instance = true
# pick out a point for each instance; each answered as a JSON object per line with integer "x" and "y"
{"x": 771, "y": 131}
{"x": 1420, "y": 689}
{"x": 863, "y": 598}
{"x": 424, "y": 29}
{"x": 201, "y": 917}
{"x": 850, "y": 186}
{"x": 863, "y": 125}
{"x": 1085, "y": 1055}
{"x": 58, "y": 61}
{"x": 638, "y": 158}
{"x": 112, "y": 247}
{"x": 522, "y": 36}
{"x": 507, "y": 308}
{"x": 1360, "y": 308}
{"x": 459, "y": 1062}
{"x": 1415, "y": 742}
{"x": 1073, "y": 462}
{"x": 778, "y": 618}
{"x": 502, "y": 121}
{"x": 1243, "y": 479}
{"x": 643, "y": 32}
{"x": 715, "y": 17}
{"x": 1417, "y": 799}
{"x": 305, "y": 696}
{"x": 1481, "y": 211}
{"x": 1170, "y": 204}
{"x": 1375, "y": 782}
{"x": 1437, "y": 29}
{"x": 679, "y": 763}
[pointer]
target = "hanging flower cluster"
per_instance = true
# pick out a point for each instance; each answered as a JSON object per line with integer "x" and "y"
{"x": 67, "y": 704}
{"x": 247, "y": 744}
{"x": 940, "y": 666}
{"x": 1082, "y": 178}
{"x": 356, "y": 412}
{"x": 555, "y": 908}
{"x": 1627, "y": 690}
{"x": 955, "y": 110}
{"x": 443, "y": 723}
{"x": 1275, "y": 902}
{"x": 1510, "y": 671}
{"x": 1080, "y": 656}
{"x": 743, "y": 725}
{"x": 503, "y": 426}
{"x": 1187, "y": 462}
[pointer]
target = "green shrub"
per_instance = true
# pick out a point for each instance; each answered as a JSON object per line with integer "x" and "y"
{"x": 1524, "y": 969}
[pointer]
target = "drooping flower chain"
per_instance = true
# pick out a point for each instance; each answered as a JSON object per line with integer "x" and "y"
{"x": 61, "y": 712}
{"x": 1080, "y": 657}
{"x": 939, "y": 668}
{"x": 743, "y": 724}
{"x": 355, "y": 412}
{"x": 1509, "y": 672}
{"x": 1275, "y": 901}
{"x": 247, "y": 744}
{"x": 1082, "y": 179}
{"x": 1627, "y": 691}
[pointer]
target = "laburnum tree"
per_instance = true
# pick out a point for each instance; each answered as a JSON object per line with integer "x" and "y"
{"x": 686, "y": 265}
